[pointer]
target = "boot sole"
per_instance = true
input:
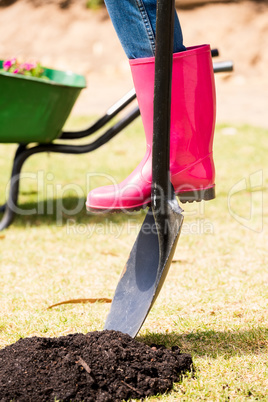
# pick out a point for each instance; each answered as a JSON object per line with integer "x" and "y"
{"x": 188, "y": 196}
{"x": 197, "y": 195}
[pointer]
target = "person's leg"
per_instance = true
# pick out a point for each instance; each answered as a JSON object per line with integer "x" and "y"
{"x": 192, "y": 112}
{"x": 135, "y": 25}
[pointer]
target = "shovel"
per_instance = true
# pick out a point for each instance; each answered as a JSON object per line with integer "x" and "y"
{"x": 151, "y": 256}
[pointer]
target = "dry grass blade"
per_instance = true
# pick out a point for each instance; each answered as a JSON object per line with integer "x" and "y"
{"x": 110, "y": 253}
{"x": 75, "y": 301}
{"x": 84, "y": 364}
{"x": 133, "y": 389}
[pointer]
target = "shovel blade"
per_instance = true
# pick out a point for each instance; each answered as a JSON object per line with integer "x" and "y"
{"x": 145, "y": 271}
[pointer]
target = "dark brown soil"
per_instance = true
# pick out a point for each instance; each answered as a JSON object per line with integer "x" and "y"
{"x": 98, "y": 366}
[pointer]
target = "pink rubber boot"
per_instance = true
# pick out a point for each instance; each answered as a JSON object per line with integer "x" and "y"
{"x": 191, "y": 134}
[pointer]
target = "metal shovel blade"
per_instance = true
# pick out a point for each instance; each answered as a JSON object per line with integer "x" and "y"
{"x": 146, "y": 269}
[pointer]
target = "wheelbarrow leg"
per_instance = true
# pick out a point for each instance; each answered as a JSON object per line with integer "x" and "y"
{"x": 10, "y": 206}
{"x": 19, "y": 150}
{"x": 2, "y": 208}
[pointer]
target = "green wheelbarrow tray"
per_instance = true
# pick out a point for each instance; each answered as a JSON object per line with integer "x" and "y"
{"x": 34, "y": 109}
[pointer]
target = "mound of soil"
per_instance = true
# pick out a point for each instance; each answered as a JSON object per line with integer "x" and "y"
{"x": 98, "y": 366}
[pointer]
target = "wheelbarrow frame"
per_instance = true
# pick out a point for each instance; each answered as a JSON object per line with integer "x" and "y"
{"x": 24, "y": 151}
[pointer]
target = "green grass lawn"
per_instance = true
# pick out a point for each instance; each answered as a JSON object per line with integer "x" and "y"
{"x": 214, "y": 301}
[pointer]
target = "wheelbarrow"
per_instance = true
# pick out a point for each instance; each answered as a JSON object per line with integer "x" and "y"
{"x": 34, "y": 111}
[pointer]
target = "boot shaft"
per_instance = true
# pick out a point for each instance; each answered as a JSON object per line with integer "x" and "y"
{"x": 193, "y": 103}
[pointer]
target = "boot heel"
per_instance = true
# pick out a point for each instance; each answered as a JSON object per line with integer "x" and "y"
{"x": 198, "y": 195}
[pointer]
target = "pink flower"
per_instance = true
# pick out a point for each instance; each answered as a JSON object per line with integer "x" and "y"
{"x": 27, "y": 66}
{"x": 8, "y": 63}
{"x": 16, "y": 66}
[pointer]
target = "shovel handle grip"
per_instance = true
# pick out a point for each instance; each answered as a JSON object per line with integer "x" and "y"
{"x": 162, "y": 98}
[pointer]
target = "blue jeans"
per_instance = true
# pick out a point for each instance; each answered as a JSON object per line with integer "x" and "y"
{"x": 135, "y": 23}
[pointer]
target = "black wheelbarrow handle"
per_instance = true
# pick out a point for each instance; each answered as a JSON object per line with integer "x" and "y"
{"x": 223, "y": 66}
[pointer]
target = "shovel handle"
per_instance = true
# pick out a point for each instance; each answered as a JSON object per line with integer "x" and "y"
{"x": 162, "y": 99}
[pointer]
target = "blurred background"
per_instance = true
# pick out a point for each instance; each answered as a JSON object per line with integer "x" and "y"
{"x": 78, "y": 35}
